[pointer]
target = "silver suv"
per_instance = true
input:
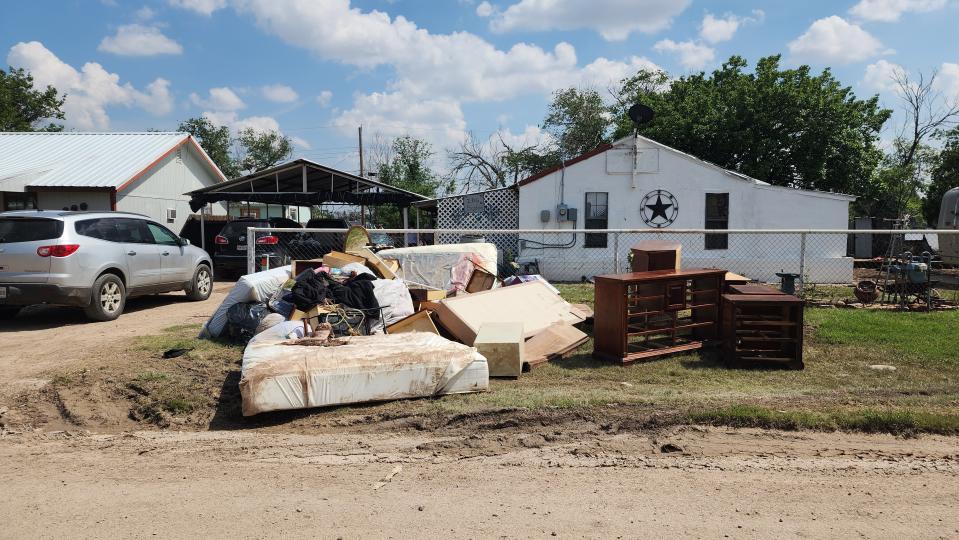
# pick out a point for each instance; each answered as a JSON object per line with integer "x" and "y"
{"x": 95, "y": 260}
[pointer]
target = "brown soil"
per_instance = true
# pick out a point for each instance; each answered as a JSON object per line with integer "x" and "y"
{"x": 480, "y": 481}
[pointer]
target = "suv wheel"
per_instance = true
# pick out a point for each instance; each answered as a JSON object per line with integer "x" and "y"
{"x": 8, "y": 312}
{"x": 108, "y": 299}
{"x": 202, "y": 285}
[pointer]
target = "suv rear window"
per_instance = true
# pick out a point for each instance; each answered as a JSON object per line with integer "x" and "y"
{"x": 239, "y": 227}
{"x": 29, "y": 229}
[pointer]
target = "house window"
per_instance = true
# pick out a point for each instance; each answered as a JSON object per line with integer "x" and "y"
{"x": 717, "y": 217}
{"x": 597, "y": 217}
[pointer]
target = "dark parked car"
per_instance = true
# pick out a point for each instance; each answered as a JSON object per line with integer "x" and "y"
{"x": 230, "y": 247}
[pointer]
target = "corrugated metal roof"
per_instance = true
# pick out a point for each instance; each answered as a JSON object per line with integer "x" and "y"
{"x": 77, "y": 159}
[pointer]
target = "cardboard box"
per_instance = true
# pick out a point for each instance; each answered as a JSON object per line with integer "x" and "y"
{"x": 533, "y": 303}
{"x": 480, "y": 280}
{"x": 300, "y": 266}
{"x": 417, "y": 322}
{"x": 502, "y": 344}
{"x": 338, "y": 259}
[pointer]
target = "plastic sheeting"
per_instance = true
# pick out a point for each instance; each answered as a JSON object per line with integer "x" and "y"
{"x": 256, "y": 287}
{"x": 368, "y": 368}
{"x": 433, "y": 265}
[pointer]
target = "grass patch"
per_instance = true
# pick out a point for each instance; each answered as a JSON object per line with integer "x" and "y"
{"x": 925, "y": 336}
{"x": 576, "y": 293}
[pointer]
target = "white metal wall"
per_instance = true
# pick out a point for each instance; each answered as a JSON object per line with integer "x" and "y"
{"x": 164, "y": 187}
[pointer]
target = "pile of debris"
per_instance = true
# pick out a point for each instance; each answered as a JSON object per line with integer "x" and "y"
{"x": 363, "y": 325}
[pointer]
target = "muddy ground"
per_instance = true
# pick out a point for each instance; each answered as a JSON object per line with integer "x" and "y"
{"x": 480, "y": 481}
{"x": 84, "y": 457}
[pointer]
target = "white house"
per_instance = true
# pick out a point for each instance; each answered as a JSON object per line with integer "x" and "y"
{"x": 147, "y": 173}
{"x": 667, "y": 189}
{"x": 637, "y": 183}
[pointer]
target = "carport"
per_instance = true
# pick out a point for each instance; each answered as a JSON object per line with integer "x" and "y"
{"x": 302, "y": 182}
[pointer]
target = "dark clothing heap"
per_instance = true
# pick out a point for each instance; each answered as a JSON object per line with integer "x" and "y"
{"x": 312, "y": 289}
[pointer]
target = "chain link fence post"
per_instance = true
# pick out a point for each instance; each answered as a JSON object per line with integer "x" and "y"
{"x": 802, "y": 263}
{"x": 616, "y": 253}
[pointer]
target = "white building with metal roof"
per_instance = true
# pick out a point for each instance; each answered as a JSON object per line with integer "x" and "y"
{"x": 147, "y": 173}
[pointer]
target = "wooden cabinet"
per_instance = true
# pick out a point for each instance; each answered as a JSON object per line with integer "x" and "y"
{"x": 762, "y": 328}
{"x": 647, "y": 314}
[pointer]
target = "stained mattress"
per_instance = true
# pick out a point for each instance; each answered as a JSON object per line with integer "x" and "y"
{"x": 369, "y": 368}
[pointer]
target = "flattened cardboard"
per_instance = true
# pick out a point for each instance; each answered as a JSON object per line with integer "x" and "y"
{"x": 377, "y": 264}
{"x": 554, "y": 342}
{"x": 338, "y": 259}
{"x": 417, "y": 322}
{"x": 533, "y": 303}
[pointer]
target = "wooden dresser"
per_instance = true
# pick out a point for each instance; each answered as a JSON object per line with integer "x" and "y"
{"x": 647, "y": 314}
{"x": 762, "y": 329}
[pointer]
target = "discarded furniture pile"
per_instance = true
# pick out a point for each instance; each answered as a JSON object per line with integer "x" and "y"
{"x": 660, "y": 309}
{"x": 360, "y": 325}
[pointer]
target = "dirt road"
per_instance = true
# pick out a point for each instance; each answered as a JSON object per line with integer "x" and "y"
{"x": 43, "y": 338}
{"x": 715, "y": 483}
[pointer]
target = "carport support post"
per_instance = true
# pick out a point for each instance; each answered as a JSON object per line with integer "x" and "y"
{"x": 203, "y": 228}
{"x": 406, "y": 226}
{"x": 250, "y": 251}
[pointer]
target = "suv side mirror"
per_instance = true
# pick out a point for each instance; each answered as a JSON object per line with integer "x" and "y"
{"x": 184, "y": 241}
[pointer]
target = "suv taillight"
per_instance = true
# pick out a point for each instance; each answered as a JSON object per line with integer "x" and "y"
{"x": 220, "y": 239}
{"x": 269, "y": 240}
{"x": 60, "y": 250}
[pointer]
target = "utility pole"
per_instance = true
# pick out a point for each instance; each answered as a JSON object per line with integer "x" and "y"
{"x": 362, "y": 175}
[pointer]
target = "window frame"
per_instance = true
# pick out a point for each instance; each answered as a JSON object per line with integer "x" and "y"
{"x": 716, "y": 241}
{"x": 595, "y": 240}
{"x": 175, "y": 238}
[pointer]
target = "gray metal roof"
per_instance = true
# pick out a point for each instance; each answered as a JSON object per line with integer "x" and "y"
{"x": 78, "y": 159}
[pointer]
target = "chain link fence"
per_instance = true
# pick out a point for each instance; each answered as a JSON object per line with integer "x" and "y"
{"x": 824, "y": 263}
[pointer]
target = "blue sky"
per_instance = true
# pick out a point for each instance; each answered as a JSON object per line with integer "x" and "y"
{"x": 315, "y": 69}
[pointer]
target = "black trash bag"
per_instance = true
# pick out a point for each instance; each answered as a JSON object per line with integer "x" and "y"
{"x": 242, "y": 320}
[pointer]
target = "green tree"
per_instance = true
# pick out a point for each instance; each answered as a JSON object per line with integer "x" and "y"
{"x": 578, "y": 120}
{"x": 406, "y": 166}
{"x": 787, "y": 127}
{"x": 944, "y": 176}
{"x": 25, "y": 108}
{"x": 215, "y": 140}
{"x": 262, "y": 149}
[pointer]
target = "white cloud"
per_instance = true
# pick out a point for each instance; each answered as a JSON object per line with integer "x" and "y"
{"x": 139, "y": 40}
{"x": 879, "y": 76}
{"x": 393, "y": 114}
{"x": 691, "y": 55}
{"x": 279, "y": 93}
{"x": 203, "y": 7}
{"x": 432, "y": 74}
{"x": 718, "y": 29}
{"x": 612, "y": 19}
{"x": 948, "y": 80}
{"x": 530, "y": 136}
{"x": 324, "y": 98}
{"x": 233, "y": 121}
{"x": 219, "y": 99}
{"x": 301, "y": 144}
{"x": 145, "y": 13}
{"x": 891, "y": 10}
{"x": 485, "y": 9}
{"x": 90, "y": 90}
{"x": 833, "y": 40}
